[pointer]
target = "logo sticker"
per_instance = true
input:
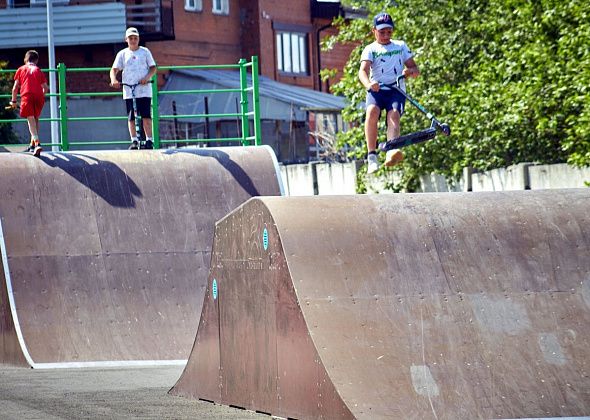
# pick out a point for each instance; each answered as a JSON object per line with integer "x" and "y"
{"x": 265, "y": 239}
{"x": 214, "y": 287}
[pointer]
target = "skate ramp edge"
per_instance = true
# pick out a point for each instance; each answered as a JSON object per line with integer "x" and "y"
{"x": 105, "y": 255}
{"x": 460, "y": 305}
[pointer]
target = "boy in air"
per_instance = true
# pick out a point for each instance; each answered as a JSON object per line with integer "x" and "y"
{"x": 383, "y": 61}
{"x": 138, "y": 67}
{"x": 30, "y": 81}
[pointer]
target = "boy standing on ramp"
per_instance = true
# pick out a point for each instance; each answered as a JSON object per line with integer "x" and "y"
{"x": 32, "y": 84}
{"x": 381, "y": 63}
{"x": 138, "y": 67}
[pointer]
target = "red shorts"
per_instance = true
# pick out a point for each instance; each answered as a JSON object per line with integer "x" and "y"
{"x": 31, "y": 105}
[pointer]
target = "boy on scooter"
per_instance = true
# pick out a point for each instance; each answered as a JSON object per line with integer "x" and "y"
{"x": 138, "y": 67}
{"x": 382, "y": 62}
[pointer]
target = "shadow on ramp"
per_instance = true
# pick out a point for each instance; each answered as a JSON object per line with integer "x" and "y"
{"x": 448, "y": 306}
{"x": 103, "y": 177}
{"x": 105, "y": 255}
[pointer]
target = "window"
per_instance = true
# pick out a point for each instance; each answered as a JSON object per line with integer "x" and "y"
{"x": 292, "y": 52}
{"x": 221, "y": 7}
{"x": 193, "y": 5}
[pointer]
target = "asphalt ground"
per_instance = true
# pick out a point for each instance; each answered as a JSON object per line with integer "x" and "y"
{"x": 114, "y": 393}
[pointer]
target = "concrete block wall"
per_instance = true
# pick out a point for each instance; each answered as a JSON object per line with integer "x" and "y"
{"x": 515, "y": 177}
{"x": 336, "y": 178}
{"x": 298, "y": 180}
{"x": 340, "y": 178}
{"x": 559, "y": 175}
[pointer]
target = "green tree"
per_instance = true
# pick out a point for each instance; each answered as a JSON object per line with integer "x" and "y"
{"x": 7, "y": 136}
{"x": 511, "y": 78}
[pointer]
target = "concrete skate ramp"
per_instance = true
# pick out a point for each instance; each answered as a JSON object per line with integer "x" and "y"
{"x": 106, "y": 254}
{"x": 427, "y": 306}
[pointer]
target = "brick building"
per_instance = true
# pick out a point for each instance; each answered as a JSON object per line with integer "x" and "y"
{"x": 88, "y": 33}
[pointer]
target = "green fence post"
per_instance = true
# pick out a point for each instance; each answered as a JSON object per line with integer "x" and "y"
{"x": 244, "y": 100}
{"x": 155, "y": 114}
{"x": 256, "y": 100}
{"x": 63, "y": 107}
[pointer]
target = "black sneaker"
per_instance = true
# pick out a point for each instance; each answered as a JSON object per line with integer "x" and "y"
{"x": 37, "y": 150}
{"x": 29, "y": 149}
{"x": 149, "y": 144}
{"x": 134, "y": 145}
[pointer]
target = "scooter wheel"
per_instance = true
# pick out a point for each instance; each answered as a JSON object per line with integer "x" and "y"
{"x": 446, "y": 130}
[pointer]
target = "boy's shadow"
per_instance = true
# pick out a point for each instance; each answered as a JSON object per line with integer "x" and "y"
{"x": 102, "y": 177}
{"x": 224, "y": 160}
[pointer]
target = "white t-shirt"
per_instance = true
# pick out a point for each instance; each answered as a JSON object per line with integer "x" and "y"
{"x": 387, "y": 61}
{"x": 135, "y": 66}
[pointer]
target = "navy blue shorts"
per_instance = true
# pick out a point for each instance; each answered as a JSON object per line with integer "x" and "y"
{"x": 144, "y": 108}
{"x": 387, "y": 99}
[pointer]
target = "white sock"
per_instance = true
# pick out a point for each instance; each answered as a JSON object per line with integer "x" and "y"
{"x": 134, "y": 139}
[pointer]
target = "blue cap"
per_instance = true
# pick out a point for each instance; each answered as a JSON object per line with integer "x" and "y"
{"x": 382, "y": 21}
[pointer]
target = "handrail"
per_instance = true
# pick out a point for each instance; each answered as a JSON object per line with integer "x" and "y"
{"x": 246, "y": 112}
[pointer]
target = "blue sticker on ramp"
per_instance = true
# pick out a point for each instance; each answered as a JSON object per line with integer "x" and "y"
{"x": 214, "y": 287}
{"x": 265, "y": 239}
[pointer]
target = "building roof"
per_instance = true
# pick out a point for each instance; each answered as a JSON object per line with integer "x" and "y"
{"x": 277, "y": 100}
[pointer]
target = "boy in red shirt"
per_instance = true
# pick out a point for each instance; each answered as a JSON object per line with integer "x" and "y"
{"x": 32, "y": 84}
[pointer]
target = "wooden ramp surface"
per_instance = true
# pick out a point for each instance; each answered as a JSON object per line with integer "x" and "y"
{"x": 425, "y": 306}
{"x": 106, "y": 254}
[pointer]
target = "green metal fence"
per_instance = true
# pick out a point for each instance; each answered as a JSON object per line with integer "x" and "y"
{"x": 247, "y": 110}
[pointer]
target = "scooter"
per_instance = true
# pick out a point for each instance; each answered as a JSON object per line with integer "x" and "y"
{"x": 141, "y": 143}
{"x": 418, "y": 136}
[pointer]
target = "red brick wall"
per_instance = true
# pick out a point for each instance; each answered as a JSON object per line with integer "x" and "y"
{"x": 74, "y": 57}
{"x": 206, "y": 38}
{"x": 291, "y": 12}
{"x": 334, "y": 59}
{"x": 201, "y": 37}
{"x": 250, "y": 18}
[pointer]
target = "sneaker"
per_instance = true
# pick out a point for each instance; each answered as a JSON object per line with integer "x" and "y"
{"x": 29, "y": 149}
{"x": 393, "y": 157}
{"x": 37, "y": 150}
{"x": 134, "y": 145}
{"x": 372, "y": 164}
{"x": 149, "y": 144}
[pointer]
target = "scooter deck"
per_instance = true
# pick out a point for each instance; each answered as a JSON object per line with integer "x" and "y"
{"x": 408, "y": 139}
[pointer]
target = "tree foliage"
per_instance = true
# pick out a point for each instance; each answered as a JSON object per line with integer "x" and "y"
{"x": 511, "y": 78}
{"x": 6, "y": 134}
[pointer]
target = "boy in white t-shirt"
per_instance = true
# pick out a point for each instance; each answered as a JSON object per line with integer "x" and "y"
{"x": 138, "y": 67}
{"x": 383, "y": 61}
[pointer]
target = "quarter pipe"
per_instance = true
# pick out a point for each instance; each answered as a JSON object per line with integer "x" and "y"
{"x": 105, "y": 255}
{"x": 412, "y": 306}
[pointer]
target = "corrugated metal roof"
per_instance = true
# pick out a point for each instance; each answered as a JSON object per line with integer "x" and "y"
{"x": 293, "y": 95}
{"x": 102, "y": 23}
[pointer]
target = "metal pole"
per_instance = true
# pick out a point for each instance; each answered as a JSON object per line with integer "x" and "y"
{"x": 63, "y": 106}
{"x": 52, "y": 83}
{"x": 155, "y": 113}
{"x": 244, "y": 101}
{"x": 256, "y": 100}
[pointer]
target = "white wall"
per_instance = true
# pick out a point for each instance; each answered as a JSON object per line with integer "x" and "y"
{"x": 340, "y": 178}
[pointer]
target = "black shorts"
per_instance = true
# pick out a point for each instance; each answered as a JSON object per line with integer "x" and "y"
{"x": 387, "y": 99}
{"x": 144, "y": 108}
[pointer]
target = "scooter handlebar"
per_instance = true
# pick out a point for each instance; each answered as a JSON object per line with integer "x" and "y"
{"x": 395, "y": 84}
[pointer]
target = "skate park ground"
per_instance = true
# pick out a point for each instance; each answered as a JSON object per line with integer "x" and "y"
{"x": 128, "y": 393}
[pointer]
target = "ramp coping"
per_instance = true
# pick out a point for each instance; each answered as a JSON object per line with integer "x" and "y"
{"x": 65, "y": 365}
{"x": 275, "y": 162}
{"x": 17, "y": 328}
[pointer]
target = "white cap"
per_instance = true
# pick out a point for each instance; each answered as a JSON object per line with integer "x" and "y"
{"x": 131, "y": 31}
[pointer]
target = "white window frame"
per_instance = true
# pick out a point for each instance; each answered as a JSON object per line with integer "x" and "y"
{"x": 220, "y": 7}
{"x": 193, "y": 5}
{"x": 292, "y": 54}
